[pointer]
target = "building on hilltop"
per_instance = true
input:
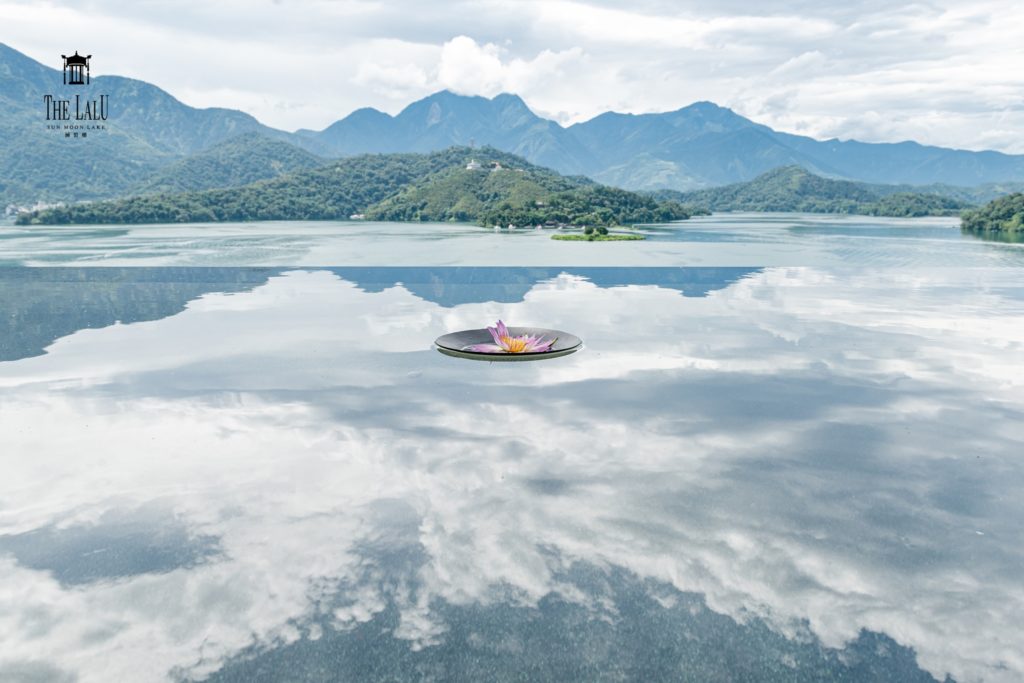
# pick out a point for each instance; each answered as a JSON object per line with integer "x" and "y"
{"x": 473, "y": 165}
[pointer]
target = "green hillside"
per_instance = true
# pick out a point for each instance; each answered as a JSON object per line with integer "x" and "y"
{"x": 791, "y": 188}
{"x": 458, "y": 194}
{"x": 419, "y": 187}
{"x": 1003, "y": 217}
{"x": 35, "y": 167}
{"x": 241, "y": 160}
{"x": 590, "y": 205}
{"x": 520, "y": 194}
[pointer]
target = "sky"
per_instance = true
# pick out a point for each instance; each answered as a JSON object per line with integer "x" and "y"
{"x": 941, "y": 72}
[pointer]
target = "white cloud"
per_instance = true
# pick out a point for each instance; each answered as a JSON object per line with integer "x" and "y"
{"x": 469, "y": 68}
{"x": 802, "y": 64}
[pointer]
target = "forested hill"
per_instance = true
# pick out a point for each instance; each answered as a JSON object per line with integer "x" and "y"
{"x": 241, "y": 160}
{"x": 792, "y": 188}
{"x": 418, "y": 187}
{"x": 1003, "y": 217}
{"x": 520, "y": 194}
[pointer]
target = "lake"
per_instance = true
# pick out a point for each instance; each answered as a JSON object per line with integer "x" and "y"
{"x": 792, "y": 449}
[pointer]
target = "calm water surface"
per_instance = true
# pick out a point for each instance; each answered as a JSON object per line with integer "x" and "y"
{"x": 792, "y": 450}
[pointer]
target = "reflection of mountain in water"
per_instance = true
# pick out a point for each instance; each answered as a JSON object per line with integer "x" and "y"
{"x": 41, "y": 305}
{"x": 463, "y": 285}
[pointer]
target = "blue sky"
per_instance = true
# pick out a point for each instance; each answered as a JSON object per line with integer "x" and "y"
{"x": 941, "y": 72}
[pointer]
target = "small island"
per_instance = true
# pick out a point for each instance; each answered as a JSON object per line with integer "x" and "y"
{"x": 598, "y": 238}
{"x": 598, "y": 233}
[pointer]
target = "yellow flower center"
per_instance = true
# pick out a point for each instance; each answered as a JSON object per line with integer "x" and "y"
{"x": 513, "y": 345}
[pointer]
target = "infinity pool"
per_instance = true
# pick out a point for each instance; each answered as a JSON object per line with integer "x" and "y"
{"x": 791, "y": 450}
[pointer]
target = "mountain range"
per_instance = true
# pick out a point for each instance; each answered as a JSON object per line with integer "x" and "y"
{"x": 150, "y": 133}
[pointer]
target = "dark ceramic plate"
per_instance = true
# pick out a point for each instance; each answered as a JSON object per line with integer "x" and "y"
{"x": 455, "y": 343}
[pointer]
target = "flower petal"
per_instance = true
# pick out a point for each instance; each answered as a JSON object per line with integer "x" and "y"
{"x": 543, "y": 345}
{"x": 484, "y": 348}
{"x": 495, "y": 335}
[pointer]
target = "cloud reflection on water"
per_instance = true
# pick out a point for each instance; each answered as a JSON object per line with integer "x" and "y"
{"x": 828, "y": 451}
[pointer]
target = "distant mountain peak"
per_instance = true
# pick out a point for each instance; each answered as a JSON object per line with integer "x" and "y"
{"x": 508, "y": 97}
{"x": 451, "y": 98}
{"x": 447, "y": 95}
{"x": 444, "y": 94}
{"x": 707, "y": 105}
{"x": 367, "y": 112}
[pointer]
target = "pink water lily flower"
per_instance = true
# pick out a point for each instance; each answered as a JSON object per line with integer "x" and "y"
{"x": 506, "y": 343}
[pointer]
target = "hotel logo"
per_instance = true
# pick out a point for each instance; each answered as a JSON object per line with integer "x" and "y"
{"x": 79, "y": 115}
